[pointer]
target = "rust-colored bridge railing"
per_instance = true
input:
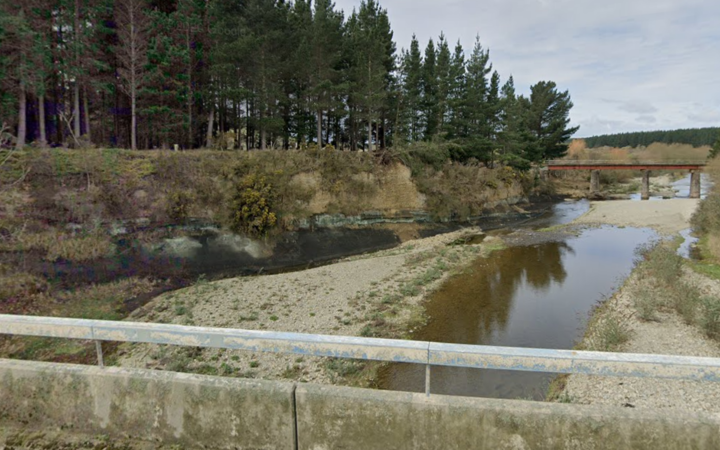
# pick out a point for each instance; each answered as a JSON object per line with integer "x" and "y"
{"x": 564, "y": 164}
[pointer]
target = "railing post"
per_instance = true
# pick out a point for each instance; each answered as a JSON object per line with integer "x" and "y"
{"x": 427, "y": 380}
{"x": 98, "y": 348}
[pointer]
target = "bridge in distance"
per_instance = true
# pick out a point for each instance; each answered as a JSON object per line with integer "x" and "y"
{"x": 595, "y": 166}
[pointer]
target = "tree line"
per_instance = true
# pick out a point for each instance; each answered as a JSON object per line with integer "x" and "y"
{"x": 258, "y": 74}
{"x": 697, "y": 137}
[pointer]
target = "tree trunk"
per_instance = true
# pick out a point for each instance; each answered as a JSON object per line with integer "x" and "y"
{"x": 370, "y": 142}
{"x": 133, "y": 120}
{"x": 263, "y": 134}
{"x": 327, "y": 129}
{"x": 211, "y": 124}
{"x": 76, "y": 86}
{"x": 87, "y": 113}
{"x": 76, "y": 111}
{"x": 319, "y": 128}
{"x": 22, "y": 117}
{"x": 41, "y": 120}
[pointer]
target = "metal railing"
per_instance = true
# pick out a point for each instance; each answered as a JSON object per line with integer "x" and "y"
{"x": 610, "y": 162}
{"x": 426, "y": 353}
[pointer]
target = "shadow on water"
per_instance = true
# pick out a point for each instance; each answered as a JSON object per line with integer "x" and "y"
{"x": 536, "y": 296}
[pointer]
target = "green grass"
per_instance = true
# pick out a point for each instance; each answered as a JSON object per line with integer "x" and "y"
{"x": 705, "y": 268}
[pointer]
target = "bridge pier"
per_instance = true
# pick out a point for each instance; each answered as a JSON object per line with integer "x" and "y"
{"x": 695, "y": 186}
{"x": 595, "y": 182}
{"x": 645, "y": 195}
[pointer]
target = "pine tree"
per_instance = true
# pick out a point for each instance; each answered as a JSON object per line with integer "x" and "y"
{"x": 475, "y": 110}
{"x": 510, "y": 135}
{"x": 444, "y": 82}
{"x": 430, "y": 92}
{"x": 547, "y": 119}
{"x": 132, "y": 27}
{"x": 411, "y": 73}
{"x": 19, "y": 61}
{"x": 372, "y": 63}
{"x": 456, "y": 93}
{"x": 325, "y": 54}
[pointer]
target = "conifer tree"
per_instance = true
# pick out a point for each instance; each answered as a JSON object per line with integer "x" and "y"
{"x": 411, "y": 74}
{"x": 373, "y": 61}
{"x": 510, "y": 137}
{"x": 132, "y": 28}
{"x": 475, "y": 110}
{"x": 430, "y": 92}
{"x": 456, "y": 93}
{"x": 547, "y": 118}
{"x": 325, "y": 55}
{"x": 443, "y": 82}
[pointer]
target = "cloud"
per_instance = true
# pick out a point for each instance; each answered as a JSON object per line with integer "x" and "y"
{"x": 646, "y": 119}
{"x": 648, "y": 58}
{"x": 639, "y": 107}
{"x": 704, "y": 116}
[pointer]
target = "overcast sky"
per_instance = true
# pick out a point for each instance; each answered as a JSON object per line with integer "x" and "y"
{"x": 629, "y": 65}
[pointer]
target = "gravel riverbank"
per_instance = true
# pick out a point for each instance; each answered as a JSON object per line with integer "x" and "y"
{"x": 379, "y": 294}
{"x": 667, "y": 334}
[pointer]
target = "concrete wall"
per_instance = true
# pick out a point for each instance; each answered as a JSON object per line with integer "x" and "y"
{"x": 207, "y": 412}
{"x": 341, "y": 418}
{"x": 188, "y": 410}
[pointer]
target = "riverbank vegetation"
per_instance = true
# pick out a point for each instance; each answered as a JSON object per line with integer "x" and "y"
{"x": 77, "y": 227}
{"x": 706, "y": 221}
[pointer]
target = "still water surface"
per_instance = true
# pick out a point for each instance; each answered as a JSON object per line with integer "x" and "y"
{"x": 535, "y": 296}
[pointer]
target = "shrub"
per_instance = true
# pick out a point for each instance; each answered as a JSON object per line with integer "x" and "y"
{"x": 80, "y": 249}
{"x": 661, "y": 262}
{"x": 710, "y": 319}
{"x": 251, "y": 207}
{"x": 418, "y": 155}
{"x": 707, "y": 217}
{"x": 178, "y": 205}
{"x": 687, "y": 300}
{"x": 20, "y": 285}
{"x": 609, "y": 333}
{"x": 646, "y": 303}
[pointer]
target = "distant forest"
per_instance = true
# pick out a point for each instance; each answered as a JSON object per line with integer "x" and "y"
{"x": 696, "y": 137}
{"x": 257, "y": 74}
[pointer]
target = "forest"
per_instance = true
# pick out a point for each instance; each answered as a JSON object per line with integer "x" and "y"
{"x": 697, "y": 137}
{"x": 258, "y": 74}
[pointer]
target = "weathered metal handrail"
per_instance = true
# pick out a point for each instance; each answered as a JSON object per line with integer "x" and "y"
{"x": 592, "y": 162}
{"x": 387, "y": 350}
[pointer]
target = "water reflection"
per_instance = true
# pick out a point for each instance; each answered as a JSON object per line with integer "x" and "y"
{"x": 536, "y": 296}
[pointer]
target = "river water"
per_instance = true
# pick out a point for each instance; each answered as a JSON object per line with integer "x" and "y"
{"x": 537, "y": 296}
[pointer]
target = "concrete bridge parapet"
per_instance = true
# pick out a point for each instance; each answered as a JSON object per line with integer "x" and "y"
{"x": 154, "y": 408}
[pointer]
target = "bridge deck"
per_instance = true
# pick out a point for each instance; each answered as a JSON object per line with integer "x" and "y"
{"x": 614, "y": 165}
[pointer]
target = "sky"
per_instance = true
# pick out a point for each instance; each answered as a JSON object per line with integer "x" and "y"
{"x": 629, "y": 65}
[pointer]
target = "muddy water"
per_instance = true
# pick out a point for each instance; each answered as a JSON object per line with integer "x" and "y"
{"x": 535, "y": 296}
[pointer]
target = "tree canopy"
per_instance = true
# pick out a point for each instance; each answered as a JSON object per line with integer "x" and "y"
{"x": 696, "y": 137}
{"x": 259, "y": 74}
